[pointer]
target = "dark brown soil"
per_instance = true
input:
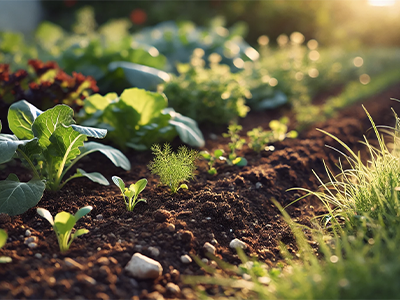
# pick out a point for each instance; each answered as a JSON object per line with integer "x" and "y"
{"x": 236, "y": 203}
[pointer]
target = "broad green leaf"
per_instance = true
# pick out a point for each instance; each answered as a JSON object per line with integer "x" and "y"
{"x": 82, "y": 212}
{"x": 116, "y": 156}
{"x": 130, "y": 192}
{"x": 79, "y": 232}
{"x": 65, "y": 143}
{"x": 140, "y": 76}
{"x": 3, "y": 237}
{"x": 47, "y": 123}
{"x": 292, "y": 134}
{"x": 94, "y": 176}
{"x": 140, "y": 185}
{"x": 45, "y": 214}
{"x": 18, "y": 197}
{"x": 49, "y": 34}
{"x": 148, "y": 104}
{"x": 119, "y": 183}
{"x": 64, "y": 222}
{"x": 21, "y": 116}
{"x": 97, "y": 102}
{"x": 187, "y": 128}
{"x": 124, "y": 119}
{"x": 90, "y": 131}
{"x": 9, "y": 145}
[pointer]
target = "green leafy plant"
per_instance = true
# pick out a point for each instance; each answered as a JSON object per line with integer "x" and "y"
{"x": 212, "y": 158}
{"x": 235, "y": 144}
{"x": 139, "y": 118}
{"x": 50, "y": 144}
{"x": 260, "y": 138}
{"x": 173, "y": 168}
{"x": 208, "y": 95}
{"x": 131, "y": 194}
{"x": 3, "y": 240}
{"x": 63, "y": 224}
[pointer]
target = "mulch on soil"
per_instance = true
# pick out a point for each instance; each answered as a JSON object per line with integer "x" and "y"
{"x": 236, "y": 203}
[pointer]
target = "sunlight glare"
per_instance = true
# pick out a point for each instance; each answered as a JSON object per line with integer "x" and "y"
{"x": 381, "y": 2}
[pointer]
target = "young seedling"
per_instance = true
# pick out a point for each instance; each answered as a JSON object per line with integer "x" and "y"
{"x": 3, "y": 239}
{"x": 212, "y": 158}
{"x": 63, "y": 224}
{"x": 173, "y": 168}
{"x": 259, "y": 138}
{"x": 235, "y": 144}
{"x": 130, "y": 194}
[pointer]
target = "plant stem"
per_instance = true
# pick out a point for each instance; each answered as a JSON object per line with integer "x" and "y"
{"x": 35, "y": 172}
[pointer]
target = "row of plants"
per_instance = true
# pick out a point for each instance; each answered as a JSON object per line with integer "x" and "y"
{"x": 357, "y": 239}
{"x": 208, "y": 74}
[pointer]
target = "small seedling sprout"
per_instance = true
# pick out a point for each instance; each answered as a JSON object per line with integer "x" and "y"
{"x": 131, "y": 194}
{"x": 63, "y": 224}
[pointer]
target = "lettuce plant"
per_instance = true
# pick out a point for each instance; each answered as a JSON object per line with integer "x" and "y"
{"x": 139, "y": 118}
{"x": 63, "y": 224}
{"x": 3, "y": 239}
{"x": 45, "y": 86}
{"x": 173, "y": 168}
{"x": 50, "y": 144}
{"x": 131, "y": 194}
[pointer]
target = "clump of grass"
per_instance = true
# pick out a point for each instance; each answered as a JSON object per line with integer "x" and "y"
{"x": 173, "y": 168}
{"x": 359, "y": 258}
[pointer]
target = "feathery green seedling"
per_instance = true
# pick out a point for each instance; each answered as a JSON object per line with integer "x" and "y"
{"x": 3, "y": 239}
{"x": 212, "y": 158}
{"x": 131, "y": 194}
{"x": 63, "y": 224}
{"x": 173, "y": 168}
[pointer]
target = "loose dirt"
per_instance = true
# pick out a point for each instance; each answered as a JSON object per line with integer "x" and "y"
{"x": 235, "y": 203}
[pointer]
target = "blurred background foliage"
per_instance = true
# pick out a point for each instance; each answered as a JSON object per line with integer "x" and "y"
{"x": 348, "y": 23}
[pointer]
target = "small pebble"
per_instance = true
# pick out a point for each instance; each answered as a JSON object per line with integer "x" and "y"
{"x": 173, "y": 288}
{"x": 38, "y": 255}
{"x": 186, "y": 259}
{"x": 32, "y": 245}
{"x": 86, "y": 279}
{"x": 99, "y": 217}
{"x": 236, "y": 243}
{"x": 69, "y": 262}
{"x": 204, "y": 260}
{"x": 98, "y": 248}
{"x": 154, "y": 251}
{"x": 258, "y": 185}
{"x": 171, "y": 227}
{"x": 213, "y": 136}
{"x": 30, "y": 240}
{"x": 28, "y": 232}
{"x": 209, "y": 248}
{"x": 214, "y": 242}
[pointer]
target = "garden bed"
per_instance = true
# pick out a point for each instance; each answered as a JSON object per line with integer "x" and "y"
{"x": 235, "y": 203}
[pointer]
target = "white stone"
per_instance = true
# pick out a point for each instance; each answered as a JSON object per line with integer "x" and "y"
{"x": 154, "y": 251}
{"x": 32, "y": 245}
{"x": 38, "y": 255}
{"x": 28, "y": 232}
{"x": 186, "y": 259}
{"x": 236, "y": 243}
{"x": 209, "y": 248}
{"x": 143, "y": 267}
